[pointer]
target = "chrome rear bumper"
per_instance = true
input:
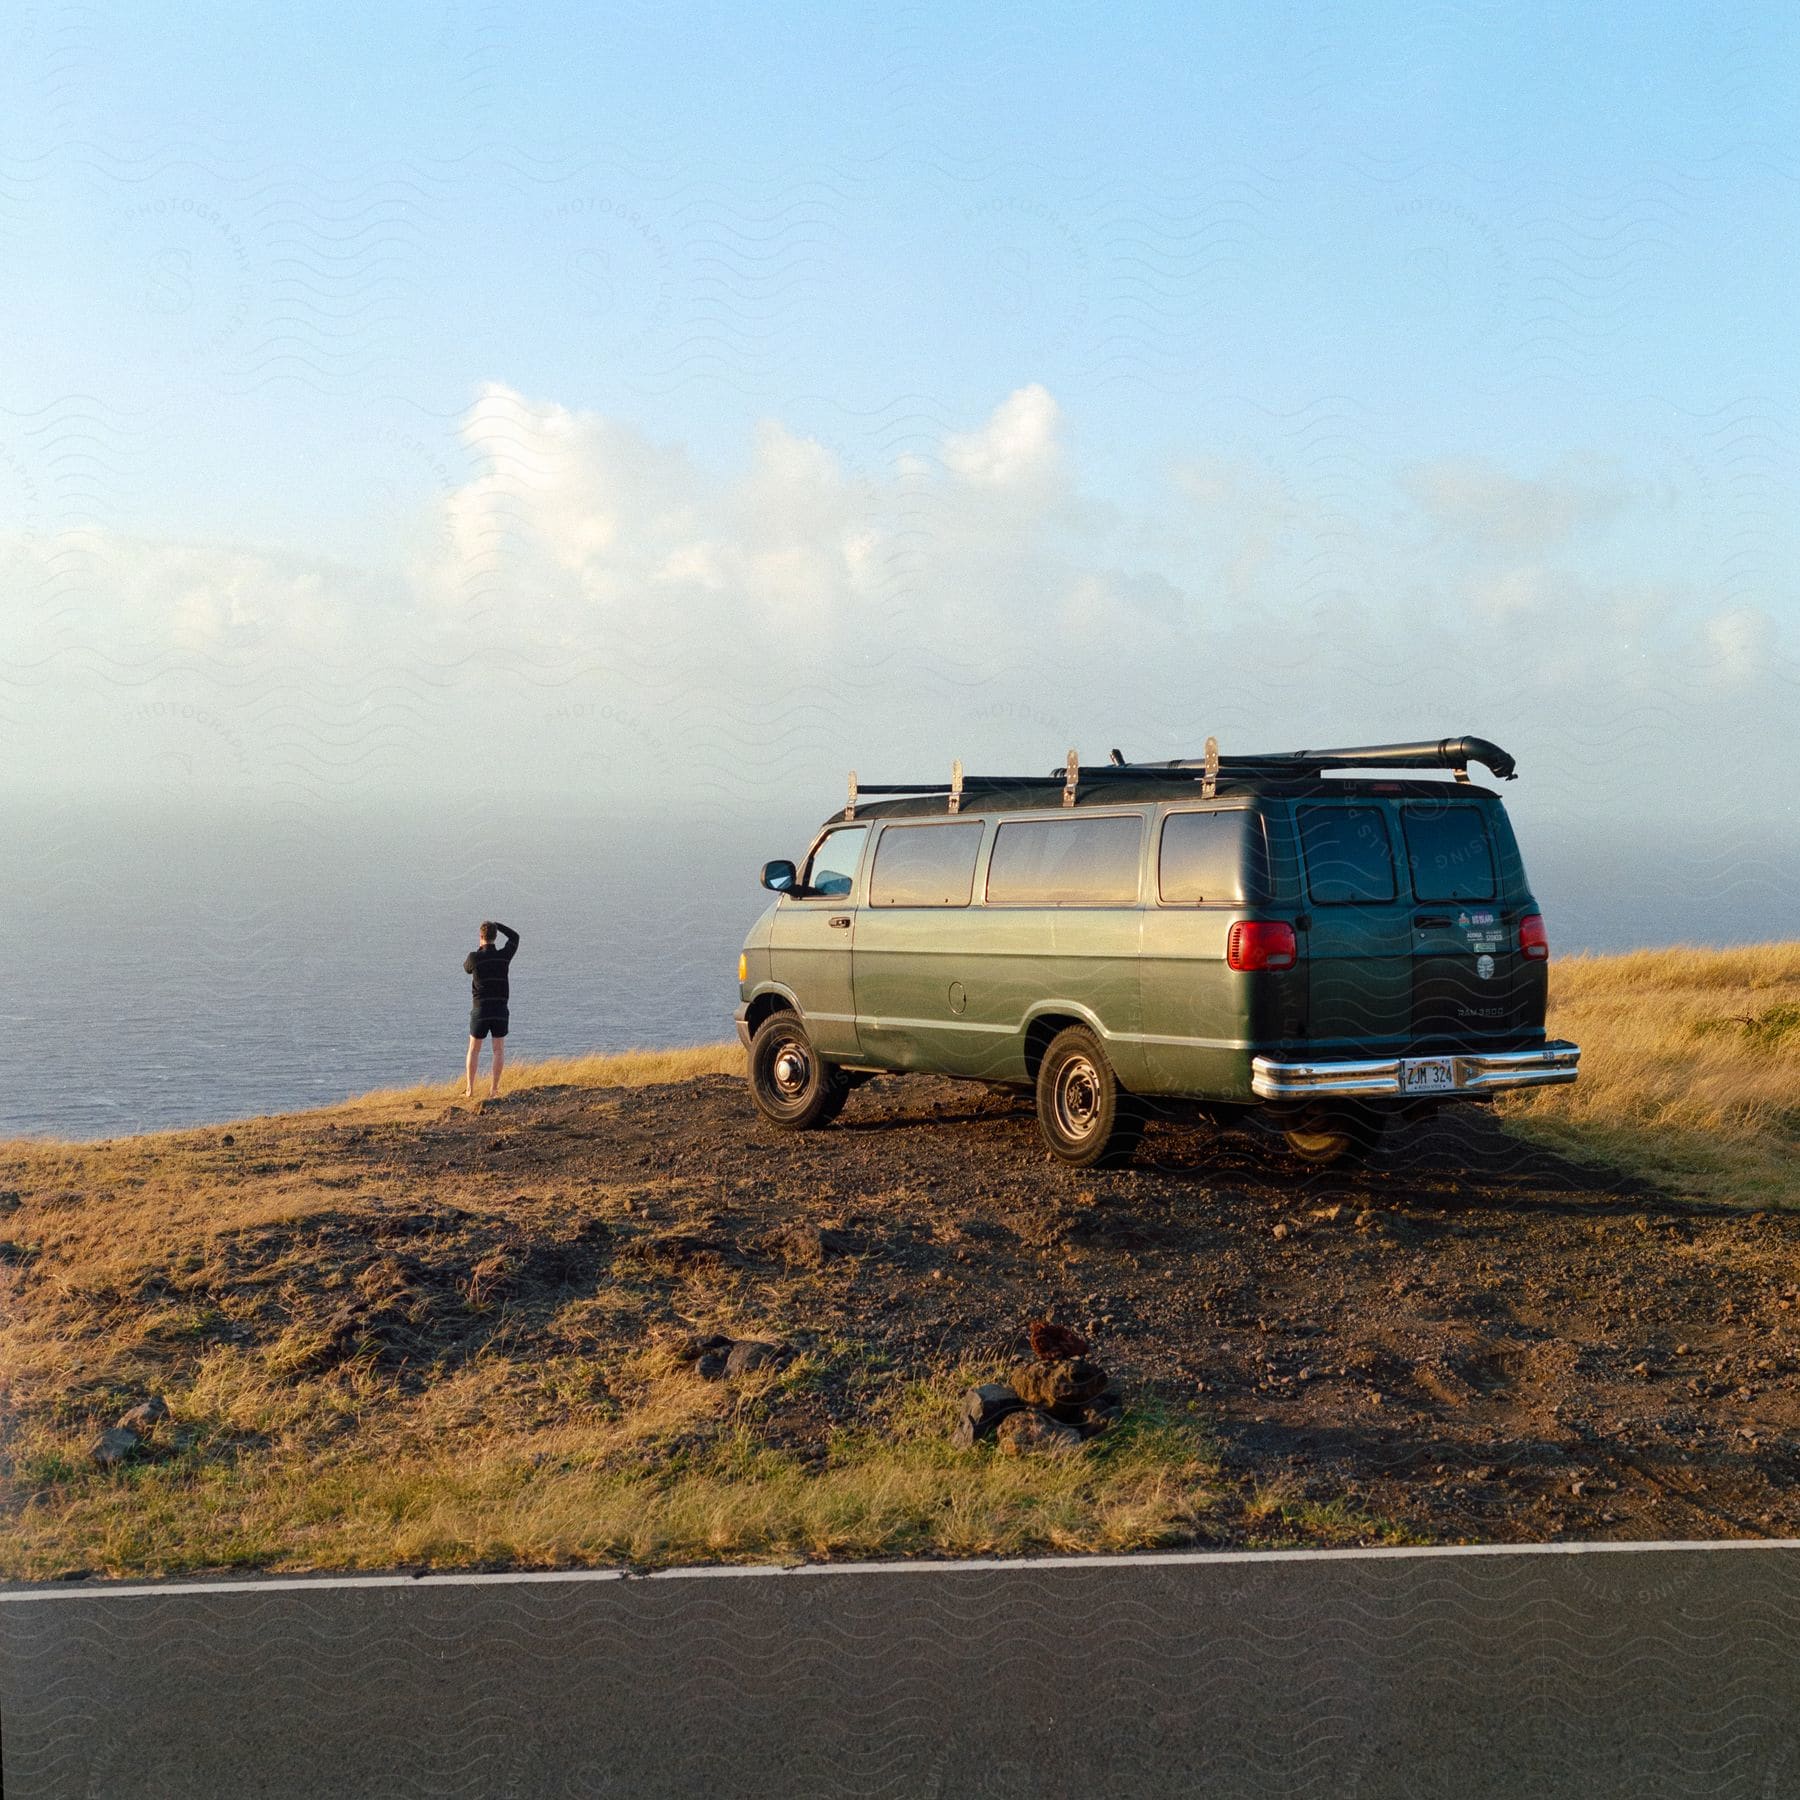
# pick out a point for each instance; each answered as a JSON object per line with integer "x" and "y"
{"x": 1484, "y": 1073}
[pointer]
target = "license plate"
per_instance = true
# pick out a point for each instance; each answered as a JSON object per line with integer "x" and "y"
{"x": 1427, "y": 1074}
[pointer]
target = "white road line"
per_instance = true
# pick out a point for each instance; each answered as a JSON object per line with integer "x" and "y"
{"x": 994, "y": 1565}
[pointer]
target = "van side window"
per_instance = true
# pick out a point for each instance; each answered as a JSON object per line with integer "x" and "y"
{"x": 1211, "y": 856}
{"x": 925, "y": 865}
{"x": 832, "y": 871}
{"x": 1448, "y": 848}
{"x": 1348, "y": 857}
{"x": 1065, "y": 862}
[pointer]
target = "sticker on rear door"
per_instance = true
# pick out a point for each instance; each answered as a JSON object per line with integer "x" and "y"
{"x": 1482, "y": 930}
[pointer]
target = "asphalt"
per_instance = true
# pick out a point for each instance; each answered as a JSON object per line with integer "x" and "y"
{"x": 1629, "y": 1670}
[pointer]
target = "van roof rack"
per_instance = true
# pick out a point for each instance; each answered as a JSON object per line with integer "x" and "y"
{"x": 1290, "y": 765}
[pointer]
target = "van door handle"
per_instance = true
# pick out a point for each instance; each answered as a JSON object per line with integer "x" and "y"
{"x": 842, "y": 920}
{"x": 1431, "y": 919}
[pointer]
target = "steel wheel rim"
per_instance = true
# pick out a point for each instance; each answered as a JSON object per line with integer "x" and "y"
{"x": 791, "y": 1070}
{"x": 1076, "y": 1098}
{"x": 1314, "y": 1140}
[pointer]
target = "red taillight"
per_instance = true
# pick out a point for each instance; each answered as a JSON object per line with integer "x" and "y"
{"x": 1261, "y": 944}
{"x": 1534, "y": 940}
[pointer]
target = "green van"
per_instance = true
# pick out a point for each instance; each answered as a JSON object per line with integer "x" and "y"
{"x": 1251, "y": 934}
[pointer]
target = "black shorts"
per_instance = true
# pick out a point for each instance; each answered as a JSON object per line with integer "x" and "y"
{"x": 481, "y": 1024}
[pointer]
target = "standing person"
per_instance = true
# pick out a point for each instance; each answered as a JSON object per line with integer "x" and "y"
{"x": 492, "y": 992}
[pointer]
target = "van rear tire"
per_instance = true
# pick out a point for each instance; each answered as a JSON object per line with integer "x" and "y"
{"x": 792, "y": 1084}
{"x": 1085, "y": 1118}
{"x": 1337, "y": 1134}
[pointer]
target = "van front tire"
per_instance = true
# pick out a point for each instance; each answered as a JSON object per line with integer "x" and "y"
{"x": 791, "y": 1083}
{"x": 1084, "y": 1116}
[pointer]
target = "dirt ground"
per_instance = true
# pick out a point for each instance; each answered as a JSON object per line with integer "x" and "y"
{"x": 1471, "y": 1337}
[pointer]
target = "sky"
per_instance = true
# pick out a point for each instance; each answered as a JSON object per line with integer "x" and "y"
{"x": 579, "y": 407}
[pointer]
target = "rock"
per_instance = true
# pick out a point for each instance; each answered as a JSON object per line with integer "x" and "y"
{"x": 1057, "y": 1383}
{"x": 1093, "y": 1416}
{"x": 145, "y": 1417}
{"x": 10, "y": 1200}
{"x": 228, "y": 1139}
{"x": 808, "y": 1246}
{"x": 1029, "y": 1432}
{"x": 346, "y": 1325}
{"x": 749, "y": 1354}
{"x": 693, "y": 1349}
{"x": 676, "y": 1252}
{"x": 112, "y": 1447}
{"x": 1281, "y": 1231}
{"x": 1055, "y": 1343}
{"x": 710, "y": 1366}
{"x": 980, "y": 1411}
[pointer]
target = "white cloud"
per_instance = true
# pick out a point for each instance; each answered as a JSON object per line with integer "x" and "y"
{"x": 1017, "y": 447}
{"x": 1483, "y": 505}
{"x": 589, "y": 580}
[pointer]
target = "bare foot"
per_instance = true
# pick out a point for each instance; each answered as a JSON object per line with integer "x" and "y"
{"x": 468, "y": 1093}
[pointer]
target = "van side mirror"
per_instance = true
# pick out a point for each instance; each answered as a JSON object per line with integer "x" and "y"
{"x": 778, "y": 876}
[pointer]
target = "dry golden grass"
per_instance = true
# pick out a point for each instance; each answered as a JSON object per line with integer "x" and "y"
{"x": 207, "y": 1266}
{"x": 550, "y": 1425}
{"x": 295, "y": 1476}
{"x": 1690, "y": 1069}
{"x": 629, "y": 1068}
{"x": 168, "y": 1194}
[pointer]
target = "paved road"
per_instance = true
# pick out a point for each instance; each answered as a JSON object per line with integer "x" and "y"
{"x": 1667, "y": 1671}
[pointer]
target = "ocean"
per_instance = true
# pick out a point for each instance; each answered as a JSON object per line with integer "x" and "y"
{"x": 190, "y": 965}
{"x": 181, "y": 969}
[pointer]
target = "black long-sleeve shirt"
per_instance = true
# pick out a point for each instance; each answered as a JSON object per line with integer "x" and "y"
{"x": 488, "y": 965}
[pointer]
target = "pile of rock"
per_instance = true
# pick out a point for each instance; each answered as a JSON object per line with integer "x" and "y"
{"x": 1053, "y": 1406}
{"x": 125, "y": 1437}
{"x": 720, "y": 1358}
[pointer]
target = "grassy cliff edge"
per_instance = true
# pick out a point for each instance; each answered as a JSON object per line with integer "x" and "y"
{"x": 407, "y": 1331}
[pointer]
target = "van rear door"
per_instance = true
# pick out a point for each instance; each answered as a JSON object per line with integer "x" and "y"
{"x": 1358, "y": 929}
{"x": 1466, "y": 985}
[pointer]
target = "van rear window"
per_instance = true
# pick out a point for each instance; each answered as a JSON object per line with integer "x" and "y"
{"x": 1209, "y": 856}
{"x": 925, "y": 865}
{"x": 1448, "y": 848}
{"x": 1065, "y": 862}
{"x": 1347, "y": 854}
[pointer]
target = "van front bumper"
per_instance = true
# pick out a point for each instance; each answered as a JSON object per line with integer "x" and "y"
{"x": 1483, "y": 1072}
{"x": 742, "y": 1020}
